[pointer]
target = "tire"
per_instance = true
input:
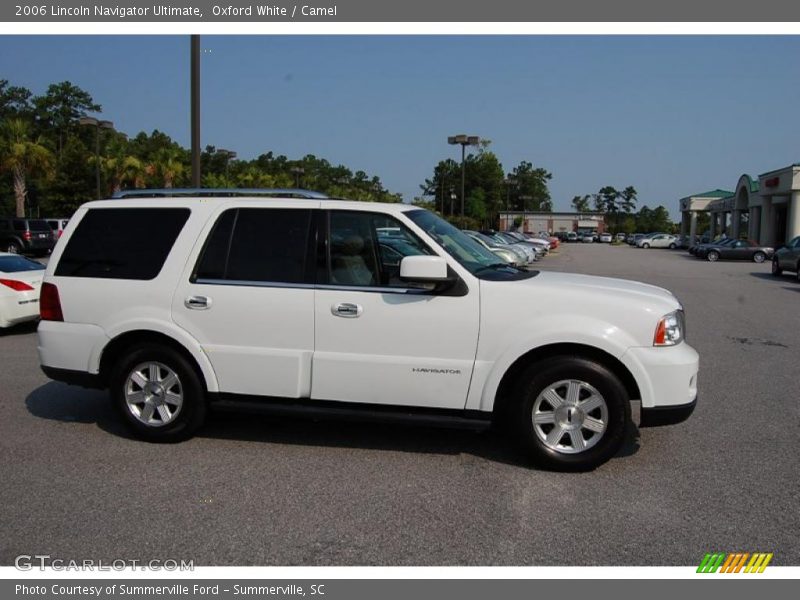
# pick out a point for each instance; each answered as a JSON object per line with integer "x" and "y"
{"x": 713, "y": 256}
{"x": 645, "y": 245}
{"x": 13, "y": 248}
{"x": 560, "y": 375}
{"x": 166, "y": 412}
{"x": 759, "y": 257}
{"x": 672, "y": 246}
{"x": 797, "y": 273}
{"x": 776, "y": 269}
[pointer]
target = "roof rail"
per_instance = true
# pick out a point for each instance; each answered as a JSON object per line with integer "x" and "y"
{"x": 218, "y": 193}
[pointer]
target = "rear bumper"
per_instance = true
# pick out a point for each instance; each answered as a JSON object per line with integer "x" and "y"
{"x": 667, "y": 415}
{"x": 81, "y": 378}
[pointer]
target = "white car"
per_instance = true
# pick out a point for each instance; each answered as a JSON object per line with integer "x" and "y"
{"x": 606, "y": 238}
{"x": 283, "y": 304}
{"x": 20, "y": 281}
{"x": 660, "y": 240}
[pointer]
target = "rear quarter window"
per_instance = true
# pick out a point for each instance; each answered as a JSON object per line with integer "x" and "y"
{"x": 122, "y": 243}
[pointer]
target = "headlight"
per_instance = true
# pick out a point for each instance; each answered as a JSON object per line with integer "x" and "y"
{"x": 671, "y": 329}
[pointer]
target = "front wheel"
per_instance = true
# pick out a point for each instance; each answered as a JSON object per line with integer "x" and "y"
{"x": 713, "y": 256}
{"x": 672, "y": 246}
{"x": 776, "y": 268}
{"x": 158, "y": 393}
{"x": 645, "y": 245}
{"x": 759, "y": 257}
{"x": 569, "y": 414}
{"x": 13, "y": 248}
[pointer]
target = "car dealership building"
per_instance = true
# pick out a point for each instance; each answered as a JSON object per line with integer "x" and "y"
{"x": 765, "y": 209}
{"x": 553, "y": 222}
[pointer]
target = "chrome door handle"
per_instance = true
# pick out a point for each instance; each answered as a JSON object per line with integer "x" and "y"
{"x": 347, "y": 310}
{"x": 197, "y": 302}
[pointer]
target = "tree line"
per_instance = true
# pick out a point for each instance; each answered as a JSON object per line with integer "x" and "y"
{"x": 49, "y": 160}
{"x": 488, "y": 189}
{"x": 618, "y": 207}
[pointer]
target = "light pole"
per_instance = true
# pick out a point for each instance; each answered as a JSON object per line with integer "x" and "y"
{"x": 463, "y": 141}
{"x": 524, "y": 209}
{"x": 195, "y": 107}
{"x": 509, "y": 181}
{"x": 229, "y": 156}
{"x": 452, "y": 200}
{"x": 298, "y": 171}
{"x": 98, "y": 125}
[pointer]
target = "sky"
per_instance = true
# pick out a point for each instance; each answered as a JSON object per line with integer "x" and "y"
{"x": 670, "y": 115}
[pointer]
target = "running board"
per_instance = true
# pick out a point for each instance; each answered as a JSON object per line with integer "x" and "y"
{"x": 351, "y": 411}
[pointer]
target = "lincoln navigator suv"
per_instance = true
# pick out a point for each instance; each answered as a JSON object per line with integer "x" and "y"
{"x": 180, "y": 302}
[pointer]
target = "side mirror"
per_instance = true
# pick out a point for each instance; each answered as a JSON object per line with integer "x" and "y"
{"x": 423, "y": 269}
{"x": 427, "y": 272}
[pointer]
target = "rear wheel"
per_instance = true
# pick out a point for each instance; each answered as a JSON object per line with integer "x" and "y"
{"x": 776, "y": 269}
{"x": 569, "y": 414}
{"x": 713, "y": 256}
{"x": 645, "y": 245}
{"x": 13, "y": 248}
{"x": 672, "y": 246}
{"x": 759, "y": 257}
{"x": 158, "y": 393}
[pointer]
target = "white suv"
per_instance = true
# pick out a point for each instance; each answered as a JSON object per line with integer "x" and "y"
{"x": 180, "y": 303}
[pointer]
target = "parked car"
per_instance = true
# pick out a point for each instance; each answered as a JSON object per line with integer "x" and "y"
{"x": 659, "y": 240}
{"x": 527, "y": 238}
{"x": 587, "y": 238}
{"x": 20, "y": 282}
{"x": 634, "y": 238}
{"x": 231, "y": 305}
{"x": 787, "y": 258}
{"x": 606, "y": 238}
{"x": 504, "y": 252}
{"x": 57, "y": 225}
{"x": 26, "y": 236}
{"x": 736, "y": 250}
{"x": 503, "y": 237}
{"x": 571, "y": 237}
{"x": 697, "y": 249}
{"x": 620, "y": 237}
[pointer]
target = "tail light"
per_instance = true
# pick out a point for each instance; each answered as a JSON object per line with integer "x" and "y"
{"x": 18, "y": 286}
{"x": 50, "y": 303}
{"x": 27, "y": 236}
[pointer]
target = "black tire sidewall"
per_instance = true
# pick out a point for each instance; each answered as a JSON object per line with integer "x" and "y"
{"x": 762, "y": 255}
{"x": 193, "y": 410}
{"x": 776, "y": 269}
{"x": 712, "y": 256}
{"x": 545, "y": 373}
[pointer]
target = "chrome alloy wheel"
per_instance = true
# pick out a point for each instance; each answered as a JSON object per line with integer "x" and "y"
{"x": 570, "y": 416}
{"x": 153, "y": 394}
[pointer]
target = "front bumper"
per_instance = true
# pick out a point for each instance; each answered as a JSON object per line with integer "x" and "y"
{"x": 666, "y": 415}
{"x": 666, "y": 377}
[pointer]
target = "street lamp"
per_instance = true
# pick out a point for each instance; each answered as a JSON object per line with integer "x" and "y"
{"x": 298, "y": 171}
{"x": 98, "y": 125}
{"x": 524, "y": 209}
{"x": 463, "y": 141}
{"x": 229, "y": 156}
{"x": 508, "y": 182}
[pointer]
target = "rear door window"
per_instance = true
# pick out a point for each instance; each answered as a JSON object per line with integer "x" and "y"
{"x": 122, "y": 243}
{"x": 259, "y": 245}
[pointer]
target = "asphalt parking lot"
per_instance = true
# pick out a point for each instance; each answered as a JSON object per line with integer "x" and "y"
{"x": 264, "y": 491}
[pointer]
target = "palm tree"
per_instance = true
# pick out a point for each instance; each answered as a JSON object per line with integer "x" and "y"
{"x": 23, "y": 157}
{"x": 167, "y": 166}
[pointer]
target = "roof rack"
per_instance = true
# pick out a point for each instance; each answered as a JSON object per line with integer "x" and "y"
{"x": 218, "y": 193}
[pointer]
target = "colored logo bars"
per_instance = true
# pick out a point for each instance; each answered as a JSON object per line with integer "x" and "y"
{"x": 735, "y": 562}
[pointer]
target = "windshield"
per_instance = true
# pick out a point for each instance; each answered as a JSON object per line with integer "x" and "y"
{"x": 469, "y": 253}
{"x": 18, "y": 264}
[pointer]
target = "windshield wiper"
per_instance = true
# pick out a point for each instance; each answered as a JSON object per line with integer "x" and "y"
{"x": 493, "y": 267}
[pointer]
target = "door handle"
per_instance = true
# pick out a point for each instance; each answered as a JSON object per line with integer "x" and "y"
{"x": 347, "y": 310}
{"x": 197, "y": 302}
